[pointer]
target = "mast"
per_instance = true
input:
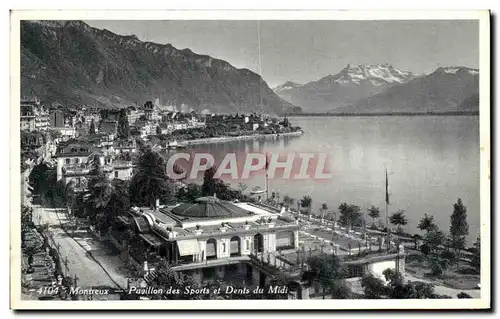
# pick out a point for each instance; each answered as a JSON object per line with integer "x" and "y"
{"x": 387, "y": 207}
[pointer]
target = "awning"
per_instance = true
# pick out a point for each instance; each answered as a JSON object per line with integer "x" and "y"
{"x": 152, "y": 239}
{"x": 188, "y": 247}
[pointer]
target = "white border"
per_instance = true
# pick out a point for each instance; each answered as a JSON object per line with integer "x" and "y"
{"x": 482, "y": 16}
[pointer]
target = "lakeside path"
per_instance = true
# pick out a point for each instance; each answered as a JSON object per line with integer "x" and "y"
{"x": 76, "y": 250}
{"x": 223, "y": 139}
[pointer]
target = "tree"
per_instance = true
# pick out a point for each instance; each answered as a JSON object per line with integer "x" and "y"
{"x": 242, "y": 187}
{"x": 158, "y": 130}
{"x": 476, "y": 256}
{"x": 459, "y": 227}
{"x": 189, "y": 193}
{"x": 208, "y": 188}
{"x": 327, "y": 271}
{"x": 92, "y": 127}
{"x": 434, "y": 239}
{"x": 373, "y": 287}
{"x": 438, "y": 265}
{"x": 306, "y": 202}
{"x": 39, "y": 179}
{"x": 118, "y": 204}
{"x": 123, "y": 130}
{"x": 427, "y": 223}
{"x": 287, "y": 201}
{"x": 374, "y": 213}
{"x": 165, "y": 277}
{"x": 350, "y": 215}
{"x": 323, "y": 209}
{"x": 151, "y": 182}
{"x": 399, "y": 219}
{"x": 99, "y": 191}
{"x": 398, "y": 289}
{"x": 464, "y": 295}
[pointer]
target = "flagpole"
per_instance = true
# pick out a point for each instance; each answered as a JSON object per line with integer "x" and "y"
{"x": 267, "y": 178}
{"x": 387, "y": 207}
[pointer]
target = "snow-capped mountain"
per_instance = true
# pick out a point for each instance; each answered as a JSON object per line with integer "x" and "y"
{"x": 446, "y": 89}
{"x": 289, "y": 85}
{"x": 376, "y": 74}
{"x": 353, "y": 83}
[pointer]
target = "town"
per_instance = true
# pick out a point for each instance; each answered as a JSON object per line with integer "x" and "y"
{"x": 99, "y": 210}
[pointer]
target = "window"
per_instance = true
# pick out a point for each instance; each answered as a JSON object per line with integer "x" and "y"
{"x": 223, "y": 247}
{"x": 77, "y": 160}
{"x": 116, "y": 174}
{"x": 68, "y": 161}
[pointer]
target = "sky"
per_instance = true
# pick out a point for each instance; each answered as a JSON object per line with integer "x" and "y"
{"x": 304, "y": 51}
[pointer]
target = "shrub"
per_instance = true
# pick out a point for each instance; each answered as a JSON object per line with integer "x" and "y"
{"x": 463, "y": 295}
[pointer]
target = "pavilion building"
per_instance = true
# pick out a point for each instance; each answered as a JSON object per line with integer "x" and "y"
{"x": 208, "y": 230}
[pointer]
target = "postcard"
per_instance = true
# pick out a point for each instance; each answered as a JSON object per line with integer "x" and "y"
{"x": 250, "y": 160}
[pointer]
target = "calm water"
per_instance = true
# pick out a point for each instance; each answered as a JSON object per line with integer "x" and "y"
{"x": 432, "y": 161}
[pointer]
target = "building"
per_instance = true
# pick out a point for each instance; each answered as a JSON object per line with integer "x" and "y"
{"x": 122, "y": 169}
{"x": 123, "y": 146}
{"x": 57, "y": 119}
{"x": 151, "y": 112}
{"x": 208, "y": 230}
{"x": 75, "y": 160}
{"x": 34, "y": 116}
{"x": 109, "y": 128}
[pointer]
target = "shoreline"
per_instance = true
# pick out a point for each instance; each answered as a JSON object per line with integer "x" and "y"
{"x": 378, "y": 114}
{"x": 224, "y": 139}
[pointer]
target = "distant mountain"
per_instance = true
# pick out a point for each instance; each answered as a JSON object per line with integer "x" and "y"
{"x": 289, "y": 85}
{"x": 446, "y": 89}
{"x": 72, "y": 63}
{"x": 353, "y": 83}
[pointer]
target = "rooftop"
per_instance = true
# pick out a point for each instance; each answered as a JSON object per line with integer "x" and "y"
{"x": 210, "y": 207}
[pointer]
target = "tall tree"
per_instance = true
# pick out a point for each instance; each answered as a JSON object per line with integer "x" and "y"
{"x": 350, "y": 215}
{"x": 123, "y": 127}
{"x": 150, "y": 182}
{"x": 374, "y": 213}
{"x": 39, "y": 179}
{"x": 100, "y": 190}
{"x": 399, "y": 220}
{"x": 92, "y": 127}
{"x": 118, "y": 204}
{"x": 209, "y": 185}
{"x": 427, "y": 223}
{"x": 459, "y": 227}
{"x": 306, "y": 202}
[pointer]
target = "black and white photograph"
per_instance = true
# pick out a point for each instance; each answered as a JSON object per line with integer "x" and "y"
{"x": 254, "y": 160}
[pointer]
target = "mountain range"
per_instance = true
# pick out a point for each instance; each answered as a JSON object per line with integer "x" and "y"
{"x": 72, "y": 63}
{"x": 382, "y": 88}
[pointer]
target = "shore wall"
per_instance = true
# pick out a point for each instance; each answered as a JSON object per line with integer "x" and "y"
{"x": 223, "y": 139}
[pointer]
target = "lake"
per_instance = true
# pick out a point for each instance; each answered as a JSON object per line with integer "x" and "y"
{"x": 432, "y": 161}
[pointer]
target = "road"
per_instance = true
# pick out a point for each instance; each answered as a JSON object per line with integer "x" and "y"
{"x": 88, "y": 272}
